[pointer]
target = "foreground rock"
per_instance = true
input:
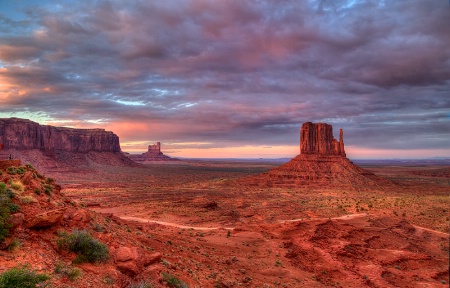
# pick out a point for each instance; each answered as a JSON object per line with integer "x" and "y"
{"x": 45, "y": 219}
{"x": 132, "y": 261}
{"x": 41, "y": 214}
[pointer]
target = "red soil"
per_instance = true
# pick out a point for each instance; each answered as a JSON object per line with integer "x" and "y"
{"x": 381, "y": 236}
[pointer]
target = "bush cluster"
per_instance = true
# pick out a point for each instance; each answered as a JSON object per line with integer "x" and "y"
{"x": 21, "y": 276}
{"x": 71, "y": 273}
{"x": 173, "y": 281}
{"x": 48, "y": 189}
{"x": 6, "y": 208}
{"x": 142, "y": 284}
{"x": 13, "y": 171}
{"x": 29, "y": 166}
{"x": 84, "y": 245}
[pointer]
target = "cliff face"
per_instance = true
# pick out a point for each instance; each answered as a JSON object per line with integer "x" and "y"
{"x": 22, "y": 134}
{"x": 317, "y": 138}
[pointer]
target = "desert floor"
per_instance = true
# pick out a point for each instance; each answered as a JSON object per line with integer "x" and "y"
{"x": 214, "y": 231}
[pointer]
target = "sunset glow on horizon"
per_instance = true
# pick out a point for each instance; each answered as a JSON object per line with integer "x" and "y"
{"x": 233, "y": 79}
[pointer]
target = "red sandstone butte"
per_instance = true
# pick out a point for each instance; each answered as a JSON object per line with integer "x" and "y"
{"x": 317, "y": 138}
{"x": 153, "y": 154}
{"x": 322, "y": 163}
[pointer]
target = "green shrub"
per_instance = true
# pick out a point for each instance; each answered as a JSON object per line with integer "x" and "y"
{"x": 2, "y": 188}
{"x": 173, "y": 281}
{"x": 71, "y": 273}
{"x": 13, "y": 245}
{"x": 13, "y": 207}
{"x": 99, "y": 228}
{"x": 48, "y": 189}
{"x": 27, "y": 199}
{"x": 29, "y": 166}
{"x": 10, "y": 193}
{"x": 20, "y": 170}
{"x": 6, "y": 208}
{"x": 142, "y": 284}
{"x": 21, "y": 276}
{"x": 84, "y": 245}
{"x": 108, "y": 280}
{"x": 11, "y": 170}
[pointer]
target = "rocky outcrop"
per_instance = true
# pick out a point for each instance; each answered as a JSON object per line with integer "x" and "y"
{"x": 131, "y": 261}
{"x": 22, "y": 134}
{"x": 45, "y": 219}
{"x": 317, "y": 138}
{"x": 4, "y": 164}
{"x": 153, "y": 154}
{"x": 322, "y": 163}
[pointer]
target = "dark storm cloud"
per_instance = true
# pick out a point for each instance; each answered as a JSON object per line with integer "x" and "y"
{"x": 235, "y": 72}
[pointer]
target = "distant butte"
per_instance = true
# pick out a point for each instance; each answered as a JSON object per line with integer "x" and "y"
{"x": 322, "y": 162}
{"x": 153, "y": 154}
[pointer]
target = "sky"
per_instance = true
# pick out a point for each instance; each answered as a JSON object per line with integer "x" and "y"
{"x": 233, "y": 78}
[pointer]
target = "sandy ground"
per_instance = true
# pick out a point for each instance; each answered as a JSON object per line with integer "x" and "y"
{"x": 214, "y": 233}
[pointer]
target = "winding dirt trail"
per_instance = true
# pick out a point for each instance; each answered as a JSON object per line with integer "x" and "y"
{"x": 432, "y": 231}
{"x": 345, "y": 217}
{"x": 143, "y": 220}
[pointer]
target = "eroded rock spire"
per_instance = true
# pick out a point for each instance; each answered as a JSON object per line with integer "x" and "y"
{"x": 317, "y": 138}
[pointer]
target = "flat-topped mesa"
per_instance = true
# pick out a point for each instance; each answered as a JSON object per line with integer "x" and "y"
{"x": 23, "y": 134}
{"x": 317, "y": 138}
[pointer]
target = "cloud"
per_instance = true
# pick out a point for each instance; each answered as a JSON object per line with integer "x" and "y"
{"x": 233, "y": 72}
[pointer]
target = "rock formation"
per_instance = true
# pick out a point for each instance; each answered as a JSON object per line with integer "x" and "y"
{"x": 47, "y": 146}
{"x": 22, "y": 134}
{"x": 317, "y": 138}
{"x": 45, "y": 219}
{"x": 133, "y": 260}
{"x": 153, "y": 154}
{"x": 322, "y": 163}
{"x": 3, "y": 154}
{"x": 155, "y": 149}
{"x": 43, "y": 215}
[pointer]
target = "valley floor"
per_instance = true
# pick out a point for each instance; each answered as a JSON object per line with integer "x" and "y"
{"x": 215, "y": 232}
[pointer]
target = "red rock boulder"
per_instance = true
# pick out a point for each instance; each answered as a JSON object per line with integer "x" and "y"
{"x": 132, "y": 260}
